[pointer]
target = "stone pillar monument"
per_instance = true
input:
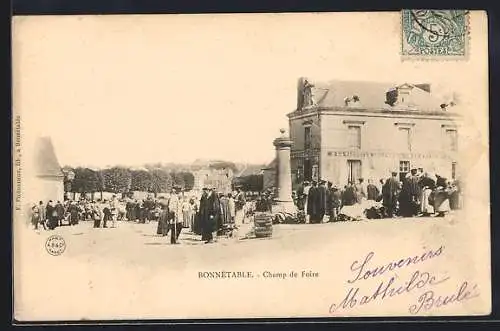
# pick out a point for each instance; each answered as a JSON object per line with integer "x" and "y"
{"x": 284, "y": 175}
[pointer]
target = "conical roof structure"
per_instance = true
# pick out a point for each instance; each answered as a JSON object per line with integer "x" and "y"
{"x": 46, "y": 163}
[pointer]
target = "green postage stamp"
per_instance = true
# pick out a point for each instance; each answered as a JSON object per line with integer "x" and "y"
{"x": 434, "y": 34}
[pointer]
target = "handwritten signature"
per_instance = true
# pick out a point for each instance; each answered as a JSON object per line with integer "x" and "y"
{"x": 363, "y": 272}
{"x": 430, "y": 300}
{"x": 386, "y": 290}
{"x": 393, "y": 286}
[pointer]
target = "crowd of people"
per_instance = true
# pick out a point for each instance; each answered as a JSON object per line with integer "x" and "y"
{"x": 417, "y": 194}
{"x": 204, "y": 215}
{"x": 211, "y": 213}
{"x": 69, "y": 212}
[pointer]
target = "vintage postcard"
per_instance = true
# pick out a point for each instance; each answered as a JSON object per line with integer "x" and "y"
{"x": 251, "y": 166}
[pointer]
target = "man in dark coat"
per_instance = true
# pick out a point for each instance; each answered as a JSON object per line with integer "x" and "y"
{"x": 313, "y": 202}
{"x": 52, "y": 216}
{"x": 209, "y": 212}
{"x": 322, "y": 200}
{"x": 73, "y": 213}
{"x": 106, "y": 214}
{"x": 404, "y": 199}
{"x": 372, "y": 191}
{"x": 390, "y": 192}
{"x": 60, "y": 212}
{"x": 410, "y": 195}
{"x": 349, "y": 195}
{"x": 128, "y": 207}
{"x": 329, "y": 199}
{"x": 414, "y": 192}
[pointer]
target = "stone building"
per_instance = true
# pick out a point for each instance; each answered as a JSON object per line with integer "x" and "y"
{"x": 217, "y": 177}
{"x": 343, "y": 131}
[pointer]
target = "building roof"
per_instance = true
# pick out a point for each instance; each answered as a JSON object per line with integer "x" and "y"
{"x": 250, "y": 169}
{"x": 46, "y": 163}
{"x": 372, "y": 95}
{"x": 272, "y": 165}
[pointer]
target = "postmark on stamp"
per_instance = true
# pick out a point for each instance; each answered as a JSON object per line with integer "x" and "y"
{"x": 434, "y": 34}
{"x": 55, "y": 245}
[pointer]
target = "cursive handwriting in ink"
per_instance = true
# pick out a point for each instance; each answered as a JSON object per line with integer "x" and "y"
{"x": 363, "y": 271}
{"x": 387, "y": 290}
{"x": 429, "y": 300}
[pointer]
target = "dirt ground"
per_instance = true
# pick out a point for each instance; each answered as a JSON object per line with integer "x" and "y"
{"x": 105, "y": 272}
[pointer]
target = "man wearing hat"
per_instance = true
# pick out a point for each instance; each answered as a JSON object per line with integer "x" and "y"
{"x": 175, "y": 222}
{"x": 414, "y": 192}
{"x": 313, "y": 203}
{"x": 390, "y": 192}
{"x": 322, "y": 200}
{"x": 209, "y": 212}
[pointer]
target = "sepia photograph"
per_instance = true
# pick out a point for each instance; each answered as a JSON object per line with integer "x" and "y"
{"x": 246, "y": 166}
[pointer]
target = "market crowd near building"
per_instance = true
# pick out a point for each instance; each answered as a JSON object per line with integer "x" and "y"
{"x": 398, "y": 138}
{"x": 358, "y": 149}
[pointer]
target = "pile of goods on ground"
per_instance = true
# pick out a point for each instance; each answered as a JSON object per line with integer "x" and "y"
{"x": 227, "y": 230}
{"x": 368, "y": 209}
{"x": 289, "y": 218}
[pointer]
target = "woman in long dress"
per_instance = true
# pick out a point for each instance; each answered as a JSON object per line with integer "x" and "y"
{"x": 224, "y": 204}
{"x": 185, "y": 213}
{"x": 231, "y": 208}
{"x": 193, "y": 211}
{"x": 162, "y": 229}
{"x": 427, "y": 184}
{"x": 442, "y": 198}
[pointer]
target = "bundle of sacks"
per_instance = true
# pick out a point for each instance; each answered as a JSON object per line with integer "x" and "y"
{"x": 368, "y": 209}
{"x": 352, "y": 213}
{"x": 375, "y": 210}
{"x": 289, "y": 218}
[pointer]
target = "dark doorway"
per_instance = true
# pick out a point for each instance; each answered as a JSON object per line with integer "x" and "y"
{"x": 307, "y": 170}
{"x": 353, "y": 170}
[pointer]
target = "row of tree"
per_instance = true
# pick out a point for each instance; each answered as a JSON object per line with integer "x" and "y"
{"x": 123, "y": 180}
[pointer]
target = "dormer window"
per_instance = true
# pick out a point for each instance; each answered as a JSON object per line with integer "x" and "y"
{"x": 404, "y": 93}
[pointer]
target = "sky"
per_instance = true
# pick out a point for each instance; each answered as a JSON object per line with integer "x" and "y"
{"x": 129, "y": 90}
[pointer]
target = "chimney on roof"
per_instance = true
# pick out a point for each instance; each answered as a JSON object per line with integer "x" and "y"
{"x": 391, "y": 97}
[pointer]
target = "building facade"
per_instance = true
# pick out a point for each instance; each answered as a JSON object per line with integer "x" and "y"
{"x": 343, "y": 131}
{"x": 220, "y": 179}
